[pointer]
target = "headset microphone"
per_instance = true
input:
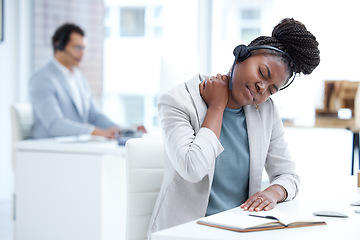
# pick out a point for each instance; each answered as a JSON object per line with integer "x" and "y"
{"x": 242, "y": 52}
{"x": 72, "y": 56}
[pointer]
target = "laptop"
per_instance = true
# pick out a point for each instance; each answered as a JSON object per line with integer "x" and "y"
{"x": 126, "y": 134}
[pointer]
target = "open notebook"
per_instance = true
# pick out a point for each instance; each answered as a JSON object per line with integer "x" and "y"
{"x": 243, "y": 221}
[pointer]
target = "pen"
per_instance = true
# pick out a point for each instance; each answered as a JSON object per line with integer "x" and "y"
{"x": 268, "y": 217}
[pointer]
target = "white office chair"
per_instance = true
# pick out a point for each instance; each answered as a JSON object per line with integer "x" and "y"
{"x": 22, "y": 121}
{"x": 144, "y": 169}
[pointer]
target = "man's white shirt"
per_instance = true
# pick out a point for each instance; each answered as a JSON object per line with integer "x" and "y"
{"x": 73, "y": 80}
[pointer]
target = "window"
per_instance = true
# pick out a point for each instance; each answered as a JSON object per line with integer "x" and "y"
{"x": 166, "y": 49}
{"x": 250, "y": 20}
{"x": 250, "y": 14}
{"x": 248, "y": 34}
{"x": 132, "y": 22}
{"x": 147, "y": 50}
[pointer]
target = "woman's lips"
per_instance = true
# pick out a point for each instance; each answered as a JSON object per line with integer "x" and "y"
{"x": 250, "y": 93}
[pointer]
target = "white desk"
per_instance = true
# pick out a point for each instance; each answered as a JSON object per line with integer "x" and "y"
{"x": 69, "y": 191}
{"x": 311, "y": 200}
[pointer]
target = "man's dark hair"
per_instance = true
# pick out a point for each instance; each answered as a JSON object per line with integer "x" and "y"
{"x": 62, "y": 34}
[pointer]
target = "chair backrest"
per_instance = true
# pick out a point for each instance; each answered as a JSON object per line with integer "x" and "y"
{"x": 144, "y": 164}
{"x": 22, "y": 121}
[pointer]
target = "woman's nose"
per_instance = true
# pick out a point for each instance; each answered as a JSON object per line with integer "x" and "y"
{"x": 260, "y": 87}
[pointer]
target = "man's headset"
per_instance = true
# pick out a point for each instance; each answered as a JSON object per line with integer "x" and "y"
{"x": 242, "y": 52}
{"x": 61, "y": 46}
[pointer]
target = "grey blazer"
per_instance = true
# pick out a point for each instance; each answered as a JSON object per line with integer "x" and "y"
{"x": 191, "y": 152}
{"x": 54, "y": 110}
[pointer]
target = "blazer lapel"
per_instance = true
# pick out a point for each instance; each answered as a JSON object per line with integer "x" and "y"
{"x": 64, "y": 83}
{"x": 200, "y": 105}
{"x": 201, "y": 108}
{"x": 256, "y": 147}
{"x": 83, "y": 95}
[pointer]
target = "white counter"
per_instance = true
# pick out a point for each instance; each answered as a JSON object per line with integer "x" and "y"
{"x": 69, "y": 190}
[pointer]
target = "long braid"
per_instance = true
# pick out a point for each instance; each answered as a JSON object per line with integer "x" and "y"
{"x": 292, "y": 37}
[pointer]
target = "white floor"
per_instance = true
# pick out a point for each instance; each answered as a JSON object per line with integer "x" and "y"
{"x": 317, "y": 152}
{"x": 6, "y": 223}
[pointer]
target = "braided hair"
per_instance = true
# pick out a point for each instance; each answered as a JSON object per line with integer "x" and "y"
{"x": 292, "y": 37}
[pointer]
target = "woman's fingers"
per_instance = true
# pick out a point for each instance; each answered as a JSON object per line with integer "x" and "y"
{"x": 264, "y": 205}
{"x": 251, "y": 202}
{"x": 258, "y": 203}
{"x": 214, "y": 91}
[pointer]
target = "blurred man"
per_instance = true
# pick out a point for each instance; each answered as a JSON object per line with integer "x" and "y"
{"x": 59, "y": 93}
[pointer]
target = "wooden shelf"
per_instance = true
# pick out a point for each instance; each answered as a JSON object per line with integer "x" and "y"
{"x": 339, "y": 95}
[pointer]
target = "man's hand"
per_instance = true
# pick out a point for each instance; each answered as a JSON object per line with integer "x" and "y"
{"x": 141, "y": 128}
{"x": 108, "y": 133}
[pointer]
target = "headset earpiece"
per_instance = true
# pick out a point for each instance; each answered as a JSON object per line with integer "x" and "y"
{"x": 60, "y": 45}
{"x": 241, "y": 52}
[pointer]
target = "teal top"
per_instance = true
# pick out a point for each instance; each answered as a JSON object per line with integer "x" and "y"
{"x": 230, "y": 187}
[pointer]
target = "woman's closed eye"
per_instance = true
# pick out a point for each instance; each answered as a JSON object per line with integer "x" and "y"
{"x": 264, "y": 71}
{"x": 273, "y": 89}
{"x": 261, "y": 73}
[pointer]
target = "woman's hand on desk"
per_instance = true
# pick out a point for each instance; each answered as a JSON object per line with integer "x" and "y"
{"x": 265, "y": 200}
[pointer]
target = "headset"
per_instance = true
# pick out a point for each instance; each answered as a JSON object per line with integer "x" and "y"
{"x": 242, "y": 52}
{"x": 61, "y": 46}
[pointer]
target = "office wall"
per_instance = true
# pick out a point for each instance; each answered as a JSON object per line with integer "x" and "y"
{"x": 8, "y": 81}
{"x": 89, "y": 15}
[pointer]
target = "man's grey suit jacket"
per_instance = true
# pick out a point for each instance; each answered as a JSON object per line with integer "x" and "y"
{"x": 54, "y": 109}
